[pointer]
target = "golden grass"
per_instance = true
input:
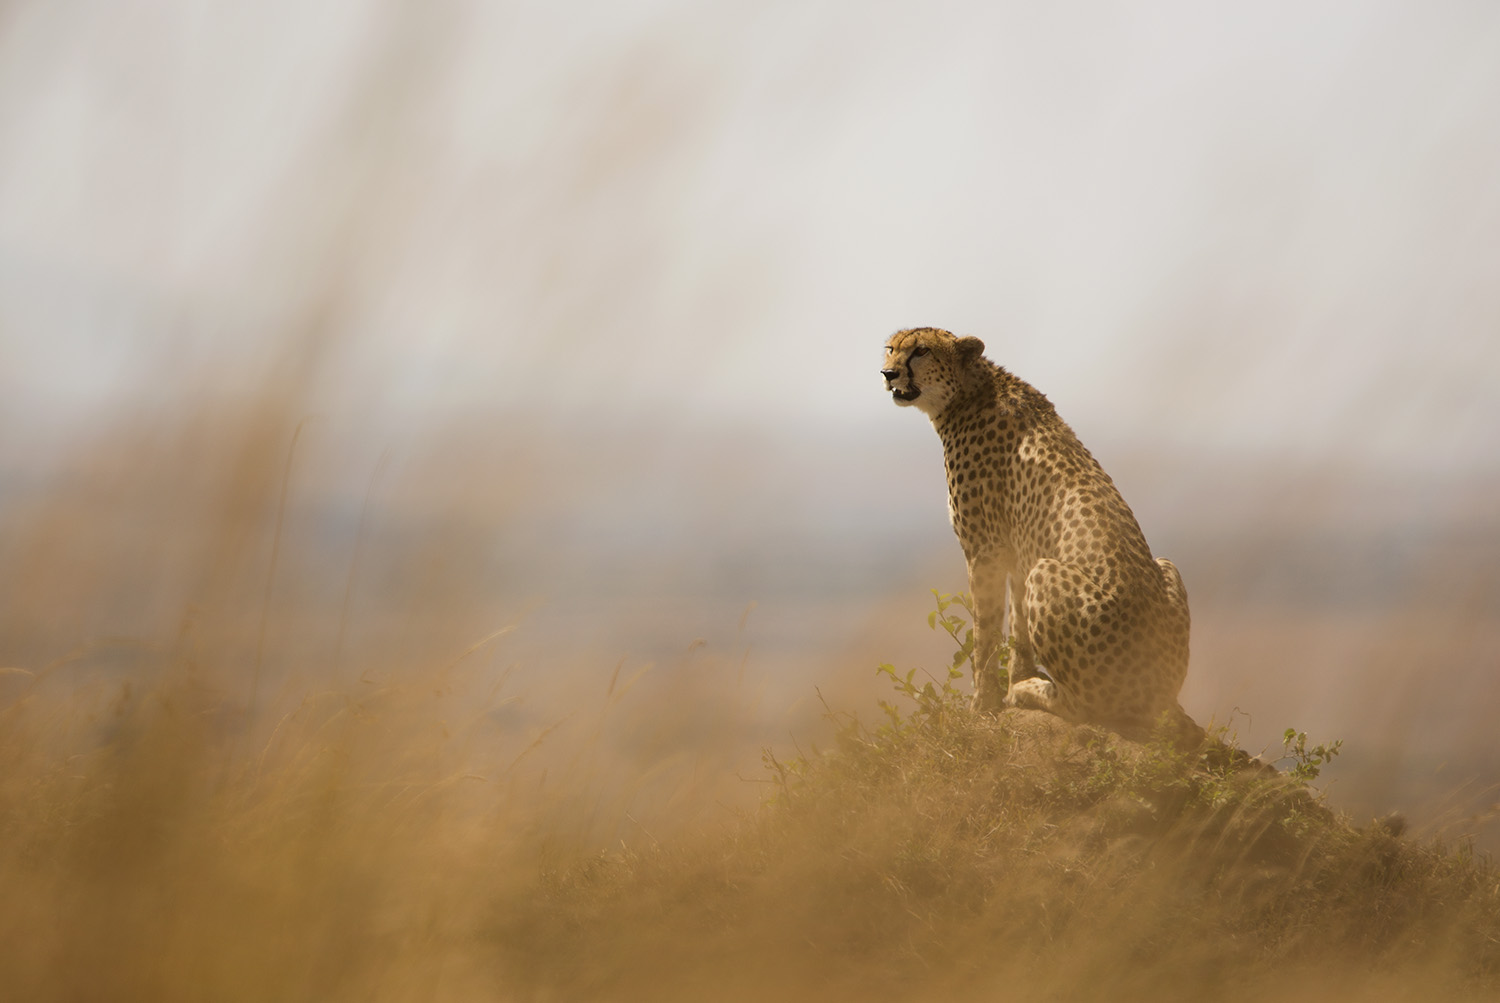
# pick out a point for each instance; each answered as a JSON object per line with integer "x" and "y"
{"x": 161, "y": 862}
{"x": 381, "y": 825}
{"x": 388, "y": 842}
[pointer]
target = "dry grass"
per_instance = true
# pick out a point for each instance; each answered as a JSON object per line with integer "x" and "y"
{"x": 275, "y": 802}
{"x": 159, "y": 861}
{"x": 390, "y": 843}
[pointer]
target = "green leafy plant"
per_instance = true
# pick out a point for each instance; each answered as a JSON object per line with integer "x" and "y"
{"x": 1306, "y": 763}
{"x": 937, "y": 697}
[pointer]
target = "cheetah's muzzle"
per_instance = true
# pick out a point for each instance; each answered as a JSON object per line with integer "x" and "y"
{"x": 905, "y": 396}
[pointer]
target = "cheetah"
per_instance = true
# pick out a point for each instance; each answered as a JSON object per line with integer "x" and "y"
{"x": 1099, "y": 629}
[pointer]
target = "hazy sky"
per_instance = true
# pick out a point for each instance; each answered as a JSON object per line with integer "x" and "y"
{"x": 1270, "y": 226}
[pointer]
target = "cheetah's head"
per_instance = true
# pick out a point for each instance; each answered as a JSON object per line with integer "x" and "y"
{"x": 926, "y": 366}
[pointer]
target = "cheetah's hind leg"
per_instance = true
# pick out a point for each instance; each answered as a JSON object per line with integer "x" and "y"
{"x": 1037, "y": 692}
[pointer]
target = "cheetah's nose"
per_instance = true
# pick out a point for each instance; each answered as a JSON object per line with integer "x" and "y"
{"x": 890, "y": 374}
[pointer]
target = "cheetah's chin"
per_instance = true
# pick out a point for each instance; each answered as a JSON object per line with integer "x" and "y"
{"x": 906, "y": 396}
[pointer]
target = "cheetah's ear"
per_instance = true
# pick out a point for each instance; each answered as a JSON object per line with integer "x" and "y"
{"x": 969, "y": 348}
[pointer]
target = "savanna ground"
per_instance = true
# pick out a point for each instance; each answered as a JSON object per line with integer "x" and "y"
{"x": 395, "y": 836}
{"x": 236, "y": 766}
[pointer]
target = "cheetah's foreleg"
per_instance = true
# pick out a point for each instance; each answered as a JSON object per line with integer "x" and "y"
{"x": 987, "y": 578}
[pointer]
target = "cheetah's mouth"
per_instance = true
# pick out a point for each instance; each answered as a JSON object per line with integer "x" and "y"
{"x": 906, "y": 395}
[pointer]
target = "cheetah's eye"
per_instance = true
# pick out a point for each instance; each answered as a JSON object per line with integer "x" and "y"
{"x": 919, "y": 351}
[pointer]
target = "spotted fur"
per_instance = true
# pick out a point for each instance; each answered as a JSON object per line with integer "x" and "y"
{"x": 1099, "y": 628}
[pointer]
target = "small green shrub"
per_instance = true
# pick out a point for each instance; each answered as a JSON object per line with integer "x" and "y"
{"x": 1306, "y": 763}
{"x": 938, "y": 697}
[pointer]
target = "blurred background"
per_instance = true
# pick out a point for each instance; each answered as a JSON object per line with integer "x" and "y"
{"x": 337, "y": 335}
